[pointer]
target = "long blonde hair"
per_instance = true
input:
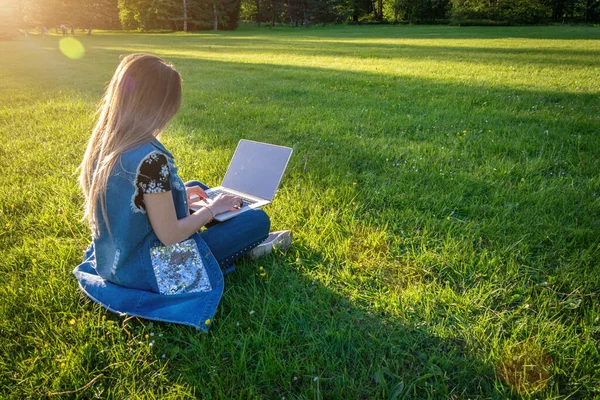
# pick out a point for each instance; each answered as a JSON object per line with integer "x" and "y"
{"x": 141, "y": 98}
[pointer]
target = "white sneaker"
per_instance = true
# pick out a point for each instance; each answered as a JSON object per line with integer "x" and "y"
{"x": 276, "y": 240}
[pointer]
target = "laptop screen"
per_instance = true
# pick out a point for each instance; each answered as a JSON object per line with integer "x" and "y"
{"x": 256, "y": 168}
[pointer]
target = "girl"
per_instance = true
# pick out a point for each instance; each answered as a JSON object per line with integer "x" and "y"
{"x": 147, "y": 257}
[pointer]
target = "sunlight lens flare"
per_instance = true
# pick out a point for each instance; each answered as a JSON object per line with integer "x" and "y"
{"x": 71, "y": 48}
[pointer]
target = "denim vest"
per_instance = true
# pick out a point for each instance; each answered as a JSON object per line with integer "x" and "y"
{"x": 131, "y": 272}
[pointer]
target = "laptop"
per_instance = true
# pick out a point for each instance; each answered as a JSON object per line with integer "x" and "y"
{"x": 254, "y": 174}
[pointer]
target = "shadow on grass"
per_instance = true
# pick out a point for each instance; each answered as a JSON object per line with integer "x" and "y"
{"x": 287, "y": 335}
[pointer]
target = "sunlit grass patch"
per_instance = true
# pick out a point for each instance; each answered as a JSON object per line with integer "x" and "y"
{"x": 525, "y": 367}
{"x": 367, "y": 247}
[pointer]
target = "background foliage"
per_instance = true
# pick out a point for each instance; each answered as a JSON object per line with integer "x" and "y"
{"x": 201, "y": 14}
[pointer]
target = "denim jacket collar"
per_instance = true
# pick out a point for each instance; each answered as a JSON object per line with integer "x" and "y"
{"x": 160, "y": 147}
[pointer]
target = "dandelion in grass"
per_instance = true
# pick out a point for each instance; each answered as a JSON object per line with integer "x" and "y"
{"x": 316, "y": 378}
{"x": 164, "y": 356}
{"x": 72, "y": 321}
{"x": 147, "y": 336}
{"x": 207, "y": 322}
{"x": 251, "y": 312}
{"x": 263, "y": 274}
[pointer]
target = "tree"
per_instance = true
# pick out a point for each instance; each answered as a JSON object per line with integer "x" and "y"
{"x": 505, "y": 11}
{"x": 90, "y": 14}
{"x": 153, "y": 14}
{"x": 87, "y": 14}
{"x": 167, "y": 14}
{"x": 378, "y": 10}
{"x": 184, "y": 16}
{"x": 9, "y": 20}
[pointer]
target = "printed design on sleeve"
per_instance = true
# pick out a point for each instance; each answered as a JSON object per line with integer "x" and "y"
{"x": 179, "y": 268}
{"x": 177, "y": 183}
{"x": 152, "y": 177}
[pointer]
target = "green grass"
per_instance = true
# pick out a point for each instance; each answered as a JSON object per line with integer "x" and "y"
{"x": 444, "y": 196}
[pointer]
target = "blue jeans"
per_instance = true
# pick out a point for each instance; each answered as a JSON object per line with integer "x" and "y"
{"x": 231, "y": 239}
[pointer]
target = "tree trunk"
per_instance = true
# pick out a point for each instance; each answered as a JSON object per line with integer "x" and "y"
{"x": 184, "y": 16}
{"x": 588, "y": 7}
{"x": 215, "y": 15}
{"x": 273, "y": 17}
{"x": 380, "y": 10}
{"x": 258, "y": 12}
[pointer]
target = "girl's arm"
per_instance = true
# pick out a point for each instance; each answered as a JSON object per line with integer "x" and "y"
{"x": 169, "y": 229}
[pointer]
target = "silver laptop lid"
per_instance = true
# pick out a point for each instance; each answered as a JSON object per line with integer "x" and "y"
{"x": 257, "y": 168}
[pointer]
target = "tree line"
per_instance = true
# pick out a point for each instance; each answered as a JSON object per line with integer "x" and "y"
{"x": 82, "y": 14}
{"x": 184, "y": 15}
{"x": 462, "y": 12}
{"x": 179, "y": 15}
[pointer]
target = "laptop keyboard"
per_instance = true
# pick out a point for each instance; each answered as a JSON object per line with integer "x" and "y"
{"x": 214, "y": 193}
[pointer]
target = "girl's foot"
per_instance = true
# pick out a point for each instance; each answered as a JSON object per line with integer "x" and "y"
{"x": 276, "y": 240}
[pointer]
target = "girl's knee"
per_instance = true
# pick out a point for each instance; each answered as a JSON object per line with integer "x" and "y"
{"x": 261, "y": 220}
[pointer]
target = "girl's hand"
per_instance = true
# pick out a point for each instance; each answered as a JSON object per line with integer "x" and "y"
{"x": 196, "y": 192}
{"x": 225, "y": 202}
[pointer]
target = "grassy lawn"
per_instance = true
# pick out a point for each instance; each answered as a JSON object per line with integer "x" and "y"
{"x": 444, "y": 194}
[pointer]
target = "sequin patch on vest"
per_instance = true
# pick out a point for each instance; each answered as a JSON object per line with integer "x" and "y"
{"x": 179, "y": 269}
